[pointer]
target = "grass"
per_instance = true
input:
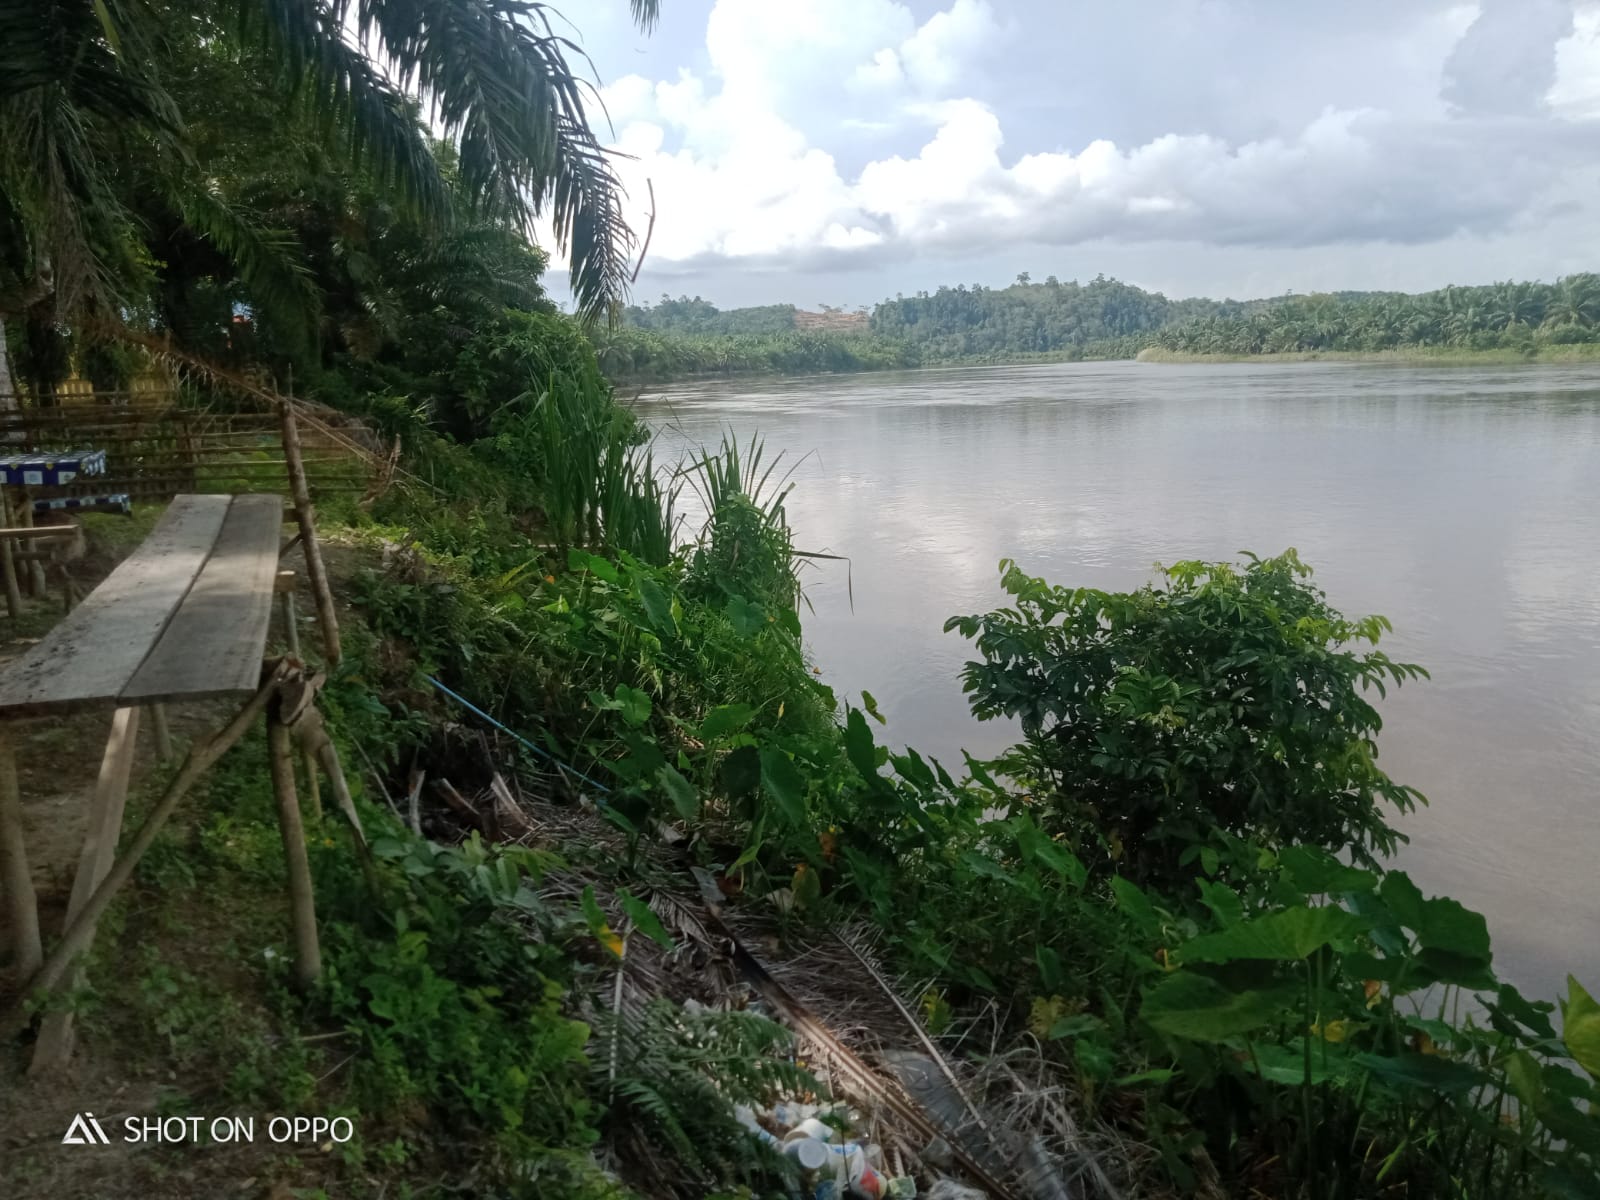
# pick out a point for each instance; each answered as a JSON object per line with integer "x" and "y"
{"x": 1407, "y": 356}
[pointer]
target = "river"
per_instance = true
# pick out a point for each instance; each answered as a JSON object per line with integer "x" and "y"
{"x": 1461, "y": 502}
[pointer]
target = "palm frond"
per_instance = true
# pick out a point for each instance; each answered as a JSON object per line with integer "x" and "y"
{"x": 506, "y": 97}
{"x": 376, "y": 120}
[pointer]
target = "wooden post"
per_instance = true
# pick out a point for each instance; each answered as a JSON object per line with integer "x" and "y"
{"x": 186, "y": 449}
{"x": 302, "y": 906}
{"x": 158, "y": 723}
{"x": 291, "y": 628}
{"x": 306, "y": 517}
{"x": 7, "y": 566}
{"x": 15, "y": 878}
{"x": 80, "y": 929}
{"x": 54, "y": 1047}
{"x": 36, "y": 582}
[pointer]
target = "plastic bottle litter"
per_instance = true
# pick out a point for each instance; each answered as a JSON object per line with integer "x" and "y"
{"x": 810, "y": 1128}
{"x": 811, "y": 1154}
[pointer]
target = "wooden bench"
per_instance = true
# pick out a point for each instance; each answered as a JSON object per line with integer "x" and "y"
{"x": 183, "y": 618}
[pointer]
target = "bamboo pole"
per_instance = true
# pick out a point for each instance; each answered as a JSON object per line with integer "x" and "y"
{"x": 15, "y": 877}
{"x": 80, "y": 930}
{"x": 53, "y": 1048}
{"x": 7, "y": 566}
{"x": 291, "y": 634}
{"x": 302, "y": 904}
{"x": 306, "y": 517}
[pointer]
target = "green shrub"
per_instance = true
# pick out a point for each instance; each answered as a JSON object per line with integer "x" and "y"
{"x": 1222, "y": 698}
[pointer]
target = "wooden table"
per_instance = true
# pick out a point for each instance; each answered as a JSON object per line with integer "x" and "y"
{"x": 184, "y": 618}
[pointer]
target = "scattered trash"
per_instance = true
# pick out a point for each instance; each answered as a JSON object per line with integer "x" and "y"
{"x": 836, "y": 1167}
{"x": 949, "y": 1189}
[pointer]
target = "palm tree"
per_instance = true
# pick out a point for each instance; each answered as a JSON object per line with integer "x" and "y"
{"x": 80, "y": 82}
{"x": 1575, "y": 302}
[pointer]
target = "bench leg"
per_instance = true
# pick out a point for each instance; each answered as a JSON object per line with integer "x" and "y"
{"x": 158, "y": 725}
{"x": 36, "y": 582}
{"x": 56, "y": 1034}
{"x": 16, "y": 881}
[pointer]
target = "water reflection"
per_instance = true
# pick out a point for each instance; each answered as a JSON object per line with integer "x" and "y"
{"x": 1459, "y": 502}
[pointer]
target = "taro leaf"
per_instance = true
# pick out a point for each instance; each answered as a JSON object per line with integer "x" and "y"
{"x": 644, "y": 756}
{"x": 633, "y": 704}
{"x": 1459, "y": 969}
{"x": 1191, "y": 1006}
{"x": 741, "y": 772}
{"x": 725, "y": 719}
{"x": 680, "y": 791}
{"x": 1531, "y": 1014}
{"x": 858, "y": 744}
{"x": 1287, "y": 1064}
{"x": 1287, "y": 936}
{"x": 582, "y": 560}
{"x": 1095, "y": 1059}
{"x": 644, "y": 920}
{"x": 1036, "y": 844}
{"x": 782, "y": 781}
{"x": 1050, "y": 973}
{"x": 1440, "y": 924}
{"x": 1362, "y": 965}
{"x": 657, "y": 606}
{"x": 1076, "y": 1025}
{"x": 914, "y": 770}
{"x": 745, "y": 617}
{"x": 987, "y": 868}
{"x": 1223, "y": 902}
{"x": 1522, "y": 1073}
{"x": 1580, "y": 1027}
{"x": 1132, "y": 900}
{"x": 1315, "y": 872}
{"x": 1429, "y": 1071}
{"x": 871, "y": 705}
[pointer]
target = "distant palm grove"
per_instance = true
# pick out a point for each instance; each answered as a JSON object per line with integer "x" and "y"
{"x": 1101, "y": 319}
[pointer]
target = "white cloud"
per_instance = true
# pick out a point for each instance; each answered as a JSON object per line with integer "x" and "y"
{"x": 1576, "y": 90}
{"x": 829, "y": 134}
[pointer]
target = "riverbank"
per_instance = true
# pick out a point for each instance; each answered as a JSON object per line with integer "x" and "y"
{"x": 1401, "y": 356}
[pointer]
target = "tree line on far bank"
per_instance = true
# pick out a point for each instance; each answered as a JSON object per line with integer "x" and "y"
{"x": 1102, "y": 319}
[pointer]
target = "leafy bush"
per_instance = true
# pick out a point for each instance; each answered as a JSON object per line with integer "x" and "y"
{"x": 1320, "y": 1042}
{"x": 1222, "y": 698}
{"x": 454, "y": 981}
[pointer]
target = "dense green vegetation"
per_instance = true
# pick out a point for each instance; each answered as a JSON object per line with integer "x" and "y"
{"x": 1107, "y": 319}
{"x": 1525, "y": 317}
{"x": 1158, "y": 871}
{"x": 629, "y": 355}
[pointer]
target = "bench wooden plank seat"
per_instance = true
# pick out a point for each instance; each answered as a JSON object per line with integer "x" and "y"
{"x": 215, "y": 641}
{"x": 94, "y": 657}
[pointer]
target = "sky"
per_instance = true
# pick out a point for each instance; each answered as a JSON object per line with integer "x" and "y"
{"x": 844, "y": 151}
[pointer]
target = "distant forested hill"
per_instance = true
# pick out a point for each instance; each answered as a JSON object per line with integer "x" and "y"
{"x": 1104, "y": 318}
